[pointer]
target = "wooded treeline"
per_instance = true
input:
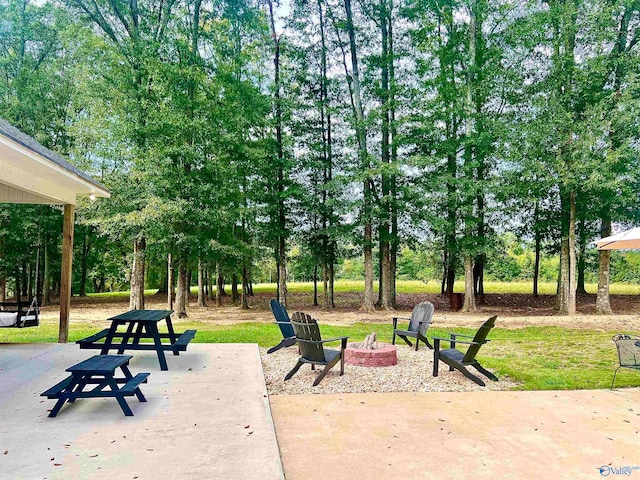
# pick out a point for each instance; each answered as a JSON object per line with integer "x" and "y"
{"x": 231, "y": 130}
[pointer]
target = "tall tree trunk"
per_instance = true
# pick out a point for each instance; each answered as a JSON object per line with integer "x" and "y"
{"x": 182, "y": 292}
{"x": 281, "y": 214}
{"x": 393, "y": 181}
{"x": 443, "y": 282}
{"x": 25, "y": 280}
{"x": 450, "y": 246}
{"x": 136, "y": 298}
{"x": 332, "y": 303}
{"x": 235, "y": 296}
{"x": 363, "y": 158}
{"x": 538, "y": 242}
{"x": 325, "y": 155}
{"x": 163, "y": 287}
{"x": 367, "y": 304}
{"x": 478, "y": 279}
{"x": 572, "y": 253}
{"x": 564, "y": 42}
{"x": 567, "y": 298}
{"x": 315, "y": 285}
{"x": 563, "y": 283}
{"x": 478, "y": 267}
{"x": 84, "y": 264}
{"x": 328, "y": 216}
{"x": 469, "y": 297}
{"x": 603, "y": 302}
{"x": 46, "y": 287}
{"x": 17, "y": 291}
{"x": 40, "y": 271}
{"x": 581, "y": 258}
{"x": 384, "y": 225}
{"x": 245, "y": 288}
{"x": 207, "y": 291}
{"x": 385, "y": 275}
{"x": 325, "y": 286}
{"x": 282, "y": 273}
{"x": 30, "y": 281}
{"x": 536, "y": 266}
{"x": 201, "y": 290}
{"x": 3, "y": 288}
{"x": 469, "y": 158}
{"x": 450, "y": 272}
{"x": 170, "y": 282}
{"x": 393, "y": 253}
{"x": 480, "y": 151}
{"x": 218, "y": 284}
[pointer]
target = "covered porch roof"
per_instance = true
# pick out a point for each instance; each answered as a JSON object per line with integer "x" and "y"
{"x": 31, "y": 173}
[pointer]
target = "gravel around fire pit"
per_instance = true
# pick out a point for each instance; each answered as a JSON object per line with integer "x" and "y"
{"x": 413, "y": 373}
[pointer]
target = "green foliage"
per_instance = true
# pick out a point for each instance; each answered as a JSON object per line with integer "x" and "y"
{"x": 418, "y": 265}
{"x": 625, "y": 267}
{"x": 489, "y": 130}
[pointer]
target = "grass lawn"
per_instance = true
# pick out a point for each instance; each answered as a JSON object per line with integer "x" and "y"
{"x": 409, "y": 286}
{"x": 539, "y": 358}
{"x": 416, "y": 286}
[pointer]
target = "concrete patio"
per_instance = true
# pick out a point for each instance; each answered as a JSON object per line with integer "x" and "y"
{"x": 207, "y": 417}
{"x": 461, "y": 435}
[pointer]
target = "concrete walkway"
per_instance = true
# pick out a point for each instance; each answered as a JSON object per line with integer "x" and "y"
{"x": 208, "y": 417}
{"x": 475, "y": 435}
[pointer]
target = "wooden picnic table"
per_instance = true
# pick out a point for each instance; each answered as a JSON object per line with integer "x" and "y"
{"x": 98, "y": 370}
{"x": 141, "y": 325}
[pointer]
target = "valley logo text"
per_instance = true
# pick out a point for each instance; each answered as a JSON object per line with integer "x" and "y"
{"x": 607, "y": 470}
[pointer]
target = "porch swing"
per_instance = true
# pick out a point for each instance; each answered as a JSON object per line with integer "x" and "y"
{"x": 21, "y": 314}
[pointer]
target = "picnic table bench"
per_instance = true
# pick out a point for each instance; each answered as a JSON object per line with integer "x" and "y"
{"x": 141, "y": 325}
{"x": 98, "y": 370}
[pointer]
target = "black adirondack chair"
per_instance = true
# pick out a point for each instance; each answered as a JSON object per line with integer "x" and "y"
{"x": 312, "y": 347}
{"x": 628, "y": 347}
{"x": 283, "y": 321}
{"x": 421, "y": 318}
{"x": 456, "y": 359}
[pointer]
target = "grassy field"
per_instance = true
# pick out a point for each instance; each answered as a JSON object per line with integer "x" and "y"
{"x": 412, "y": 286}
{"x": 539, "y": 358}
{"x": 415, "y": 286}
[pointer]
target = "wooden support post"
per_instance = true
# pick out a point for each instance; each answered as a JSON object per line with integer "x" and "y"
{"x": 65, "y": 279}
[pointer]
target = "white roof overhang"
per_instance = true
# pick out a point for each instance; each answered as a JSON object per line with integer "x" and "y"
{"x": 26, "y": 176}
